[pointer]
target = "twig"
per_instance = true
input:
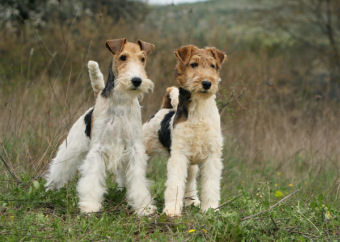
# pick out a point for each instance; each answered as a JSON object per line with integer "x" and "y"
{"x": 227, "y": 202}
{"x": 275, "y": 225}
{"x": 271, "y": 207}
{"x": 9, "y": 170}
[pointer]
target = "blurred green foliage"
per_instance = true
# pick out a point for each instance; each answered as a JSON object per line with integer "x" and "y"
{"x": 42, "y": 12}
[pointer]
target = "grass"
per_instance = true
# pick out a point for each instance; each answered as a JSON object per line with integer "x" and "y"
{"x": 280, "y": 120}
{"x": 28, "y": 212}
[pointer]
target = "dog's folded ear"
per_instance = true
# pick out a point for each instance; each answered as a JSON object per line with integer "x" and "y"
{"x": 147, "y": 47}
{"x": 184, "y": 53}
{"x": 115, "y": 45}
{"x": 220, "y": 56}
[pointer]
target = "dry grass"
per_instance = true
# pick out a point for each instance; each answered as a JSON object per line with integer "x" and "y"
{"x": 267, "y": 118}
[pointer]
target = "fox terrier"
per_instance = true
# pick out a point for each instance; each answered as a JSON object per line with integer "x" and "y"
{"x": 108, "y": 137}
{"x": 187, "y": 128}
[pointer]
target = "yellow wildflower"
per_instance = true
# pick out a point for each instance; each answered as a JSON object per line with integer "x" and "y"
{"x": 191, "y": 231}
{"x": 204, "y": 231}
{"x": 290, "y": 185}
{"x": 328, "y": 215}
{"x": 278, "y": 193}
{"x": 278, "y": 173}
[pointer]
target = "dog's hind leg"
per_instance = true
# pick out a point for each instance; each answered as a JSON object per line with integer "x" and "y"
{"x": 69, "y": 156}
{"x": 121, "y": 177}
{"x": 191, "y": 196}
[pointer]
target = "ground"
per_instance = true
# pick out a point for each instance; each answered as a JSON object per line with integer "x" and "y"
{"x": 28, "y": 212}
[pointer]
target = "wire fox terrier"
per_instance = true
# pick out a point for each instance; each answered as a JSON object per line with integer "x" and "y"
{"x": 109, "y": 136}
{"x": 187, "y": 127}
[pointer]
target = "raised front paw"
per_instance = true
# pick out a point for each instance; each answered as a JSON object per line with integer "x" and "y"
{"x": 89, "y": 207}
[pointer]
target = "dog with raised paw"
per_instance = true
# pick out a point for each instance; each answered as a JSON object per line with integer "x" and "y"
{"x": 187, "y": 128}
{"x": 109, "y": 136}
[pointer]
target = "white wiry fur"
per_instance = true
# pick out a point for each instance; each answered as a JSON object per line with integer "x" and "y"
{"x": 115, "y": 145}
{"x": 196, "y": 142}
{"x": 96, "y": 77}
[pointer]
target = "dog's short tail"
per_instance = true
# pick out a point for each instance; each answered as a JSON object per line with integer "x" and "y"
{"x": 170, "y": 99}
{"x": 96, "y": 77}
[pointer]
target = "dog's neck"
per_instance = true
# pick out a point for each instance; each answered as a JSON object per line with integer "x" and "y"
{"x": 201, "y": 108}
{"x": 121, "y": 97}
{"x": 195, "y": 107}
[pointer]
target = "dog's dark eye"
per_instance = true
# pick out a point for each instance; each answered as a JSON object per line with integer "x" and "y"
{"x": 212, "y": 66}
{"x": 143, "y": 59}
{"x": 122, "y": 57}
{"x": 193, "y": 65}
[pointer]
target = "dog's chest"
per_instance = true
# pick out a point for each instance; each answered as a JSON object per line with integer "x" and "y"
{"x": 198, "y": 139}
{"x": 120, "y": 125}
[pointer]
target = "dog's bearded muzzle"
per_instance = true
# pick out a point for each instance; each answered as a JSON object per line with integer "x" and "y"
{"x": 204, "y": 86}
{"x": 145, "y": 86}
{"x": 134, "y": 85}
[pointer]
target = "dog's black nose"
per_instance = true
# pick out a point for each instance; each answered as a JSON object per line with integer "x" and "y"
{"x": 206, "y": 84}
{"x": 136, "y": 81}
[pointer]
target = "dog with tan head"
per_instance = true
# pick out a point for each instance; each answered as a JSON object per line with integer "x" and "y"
{"x": 187, "y": 128}
{"x": 109, "y": 137}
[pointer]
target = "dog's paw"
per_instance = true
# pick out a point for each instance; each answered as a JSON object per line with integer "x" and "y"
{"x": 92, "y": 65}
{"x": 89, "y": 207}
{"x": 206, "y": 207}
{"x": 50, "y": 186}
{"x": 192, "y": 200}
{"x": 147, "y": 211}
{"x": 172, "y": 212}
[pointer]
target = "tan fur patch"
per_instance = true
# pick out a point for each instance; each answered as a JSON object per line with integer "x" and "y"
{"x": 166, "y": 102}
{"x": 166, "y": 99}
{"x": 197, "y": 65}
{"x": 179, "y": 119}
{"x": 125, "y": 52}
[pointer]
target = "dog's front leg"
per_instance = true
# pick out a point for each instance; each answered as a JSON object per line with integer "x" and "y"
{"x": 210, "y": 182}
{"x": 191, "y": 196}
{"x": 138, "y": 194}
{"x": 91, "y": 186}
{"x": 175, "y": 184}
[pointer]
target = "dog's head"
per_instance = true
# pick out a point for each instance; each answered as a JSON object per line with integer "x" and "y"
{"x": 198, "y": 69}
{"x": 129, "y": 65}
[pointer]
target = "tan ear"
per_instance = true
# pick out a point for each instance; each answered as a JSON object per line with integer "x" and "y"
{"x": 184, "y": 53}
{"x": 147, "y": 47}
{"x": 220, "y": 56}
{"x": 115, "y": 45}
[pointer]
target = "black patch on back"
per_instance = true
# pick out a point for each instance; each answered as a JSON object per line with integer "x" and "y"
{"x": 164, "y": 133}
{"x": 88, "y": 123}
{"x": 110, "y": 83}
{"x": 183, "y": 105}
